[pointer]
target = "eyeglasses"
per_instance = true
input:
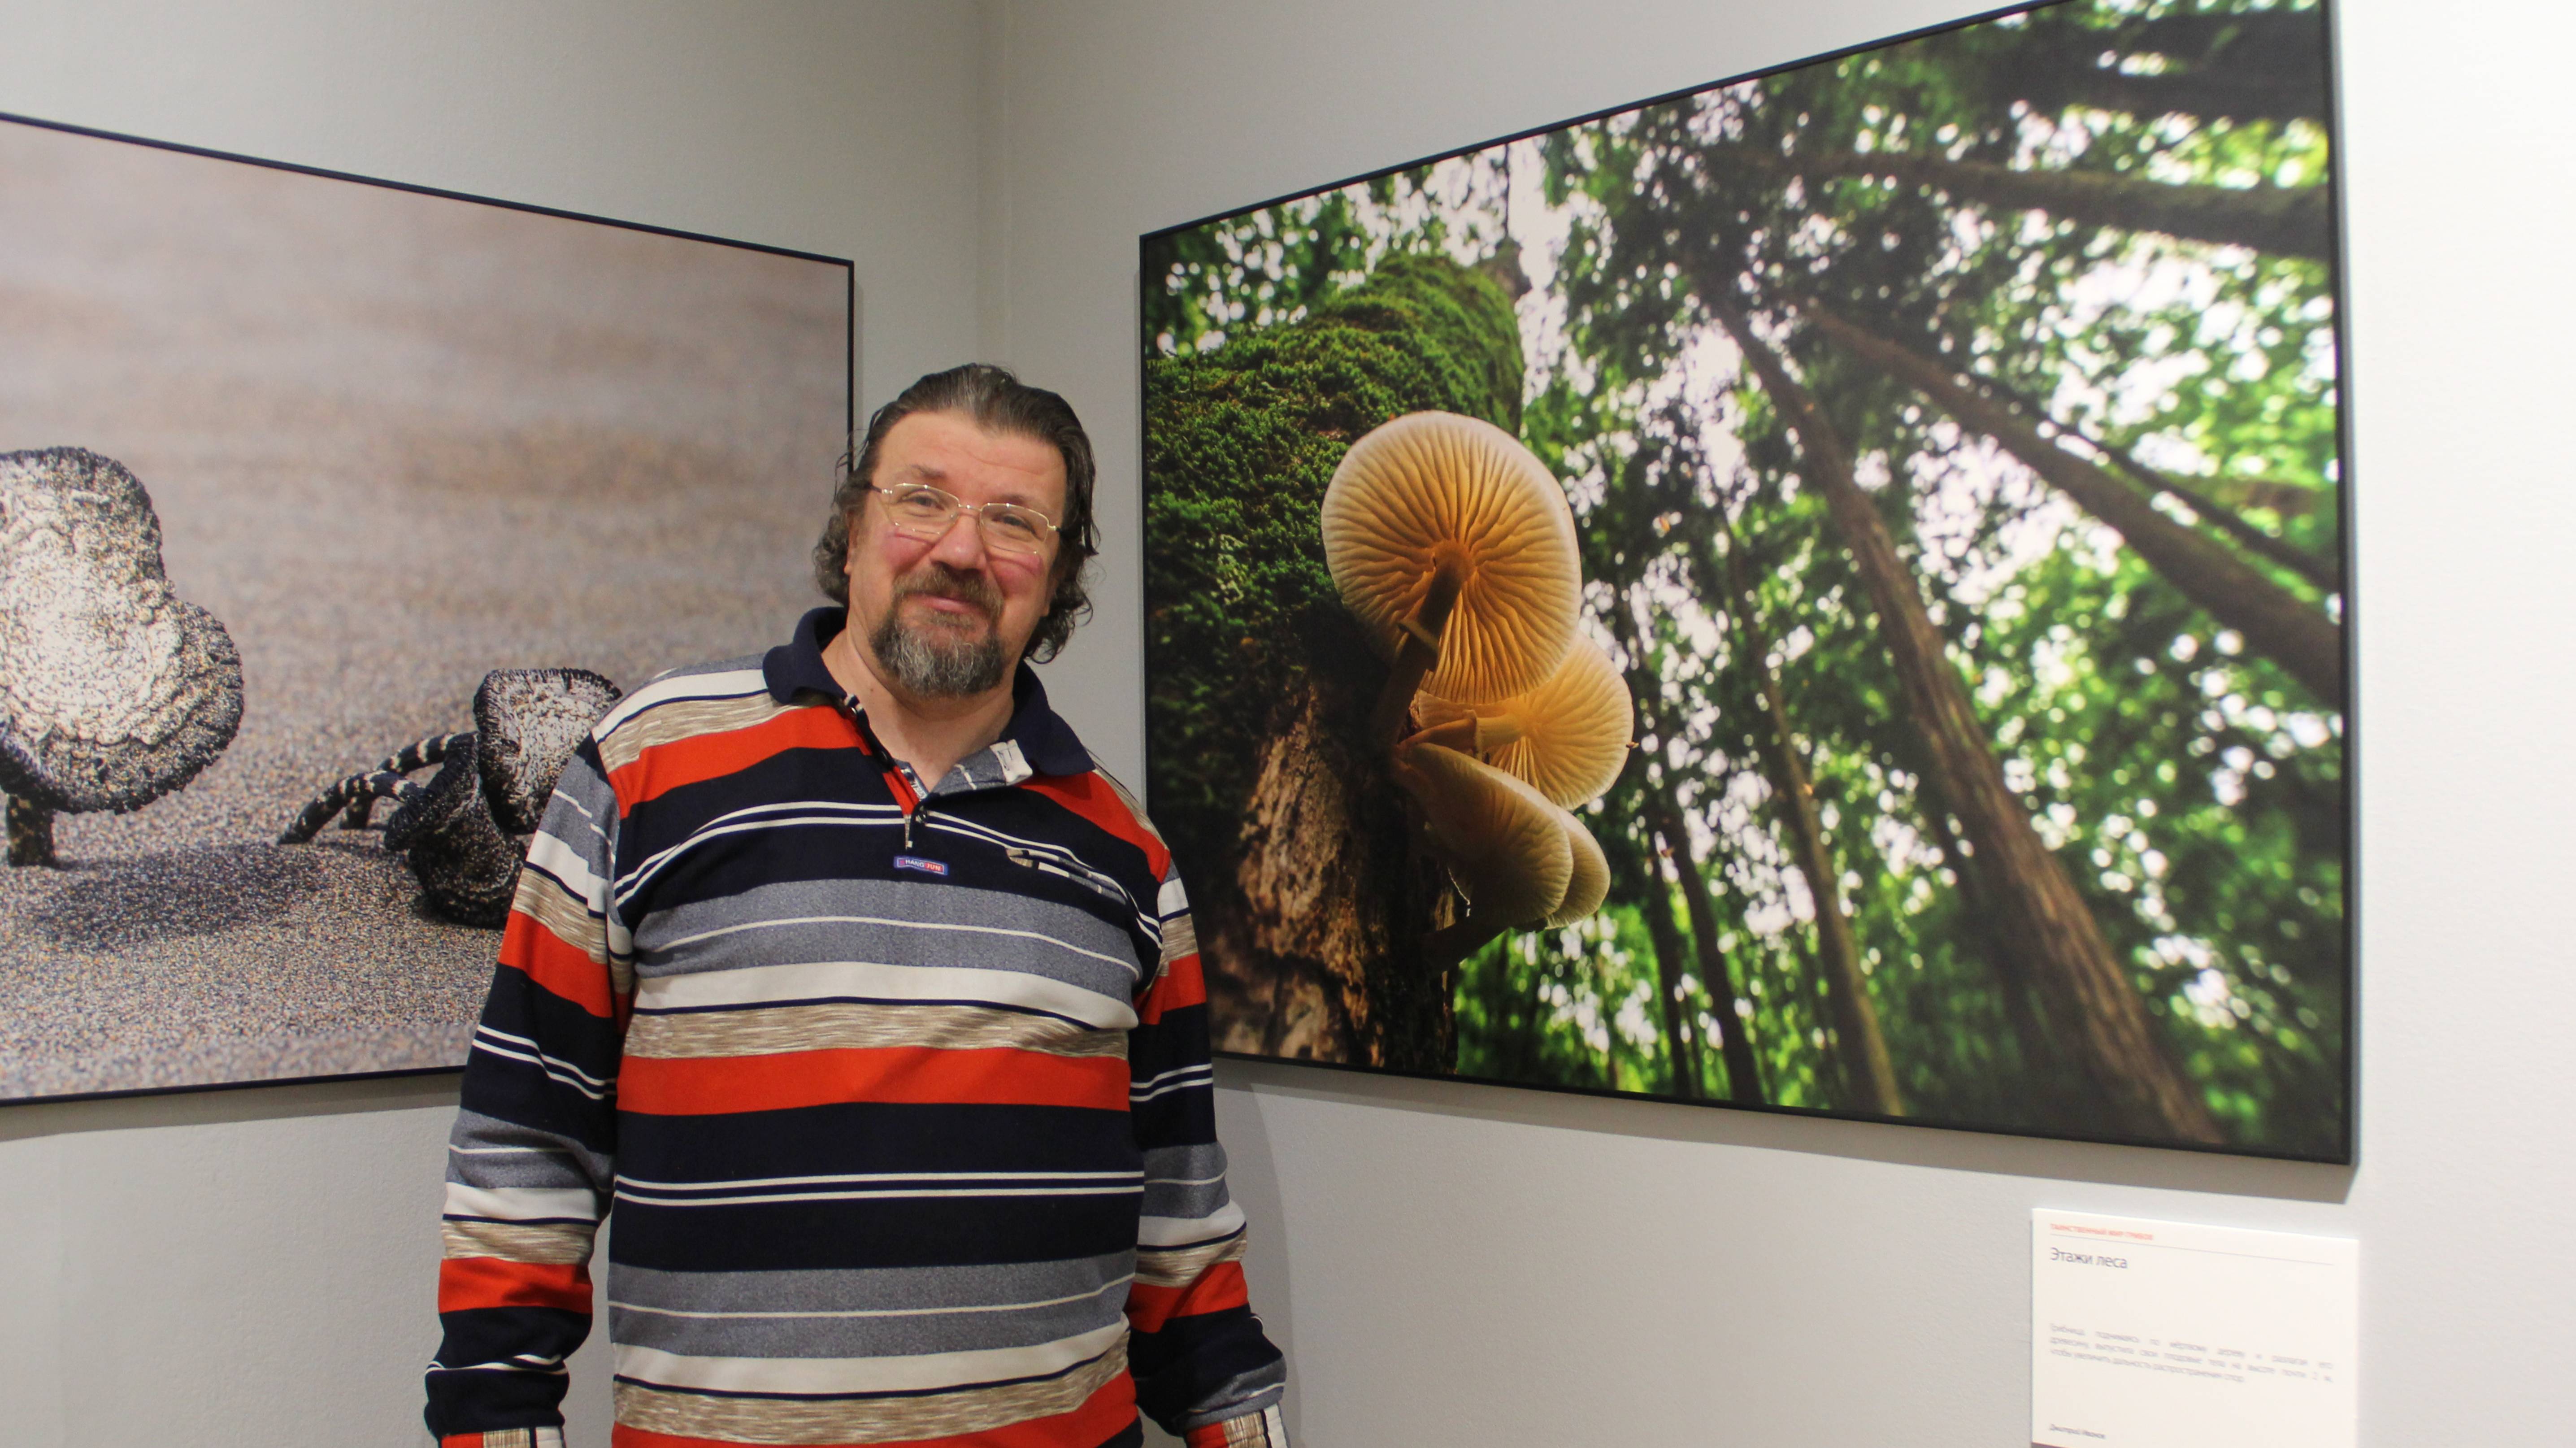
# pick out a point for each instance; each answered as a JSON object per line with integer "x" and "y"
{"x": 919, "y": 510}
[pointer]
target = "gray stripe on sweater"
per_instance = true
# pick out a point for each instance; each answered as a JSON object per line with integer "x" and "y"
{"x": 1069, "y": 945}
{"x": 532, "y": 1158}
{"x": 865, "y": 1312}
{"x": 1184, "y": 1181}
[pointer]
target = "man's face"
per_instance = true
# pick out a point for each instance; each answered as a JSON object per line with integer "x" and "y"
{"x": 948, "y": 617}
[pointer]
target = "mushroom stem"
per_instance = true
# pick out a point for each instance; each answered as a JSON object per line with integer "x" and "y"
{"x": 1420, "y": 651}
{"x": 1458, "y": 734}
{"x": 1444, "y": 948}
{"x": 31, "y": 833}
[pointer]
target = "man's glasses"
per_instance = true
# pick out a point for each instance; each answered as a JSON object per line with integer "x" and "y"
{"x": 919, "y": 510}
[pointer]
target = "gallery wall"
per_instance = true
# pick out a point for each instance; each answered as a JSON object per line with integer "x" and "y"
{"x": 257, "y": 1266}
{"x": 1459, "y": 1265}
{"x": 1447, "y": 1265}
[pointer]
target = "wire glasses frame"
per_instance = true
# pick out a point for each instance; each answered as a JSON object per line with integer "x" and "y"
{"x": 919, "y": 510}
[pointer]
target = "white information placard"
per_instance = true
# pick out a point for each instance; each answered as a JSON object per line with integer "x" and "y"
{"x": 2151, "y": 1334}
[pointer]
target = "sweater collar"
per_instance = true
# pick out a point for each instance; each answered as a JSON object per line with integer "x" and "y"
{"x": 1037, "y": 731}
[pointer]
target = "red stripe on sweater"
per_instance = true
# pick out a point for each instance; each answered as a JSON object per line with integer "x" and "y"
{"x": 558, "y": 966}
{"x": 465, "y": 1283}
{"x": 1100, "y": 1417}
{"x": 908, "y": 1075}
{"x": 1213, "y": 1435}
{"x": 1181, "y": 984}
{"x": 1090, "y": 796}
{"x": 1217, "y": 1289}
{"x": 665, "y": 767}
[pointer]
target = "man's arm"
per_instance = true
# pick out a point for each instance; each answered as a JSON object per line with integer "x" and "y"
{"x": 531, "y": 1161}
{"x": 1203, "y": 1368}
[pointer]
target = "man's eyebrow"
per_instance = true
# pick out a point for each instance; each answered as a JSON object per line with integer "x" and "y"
{"x": 921, "y": 470}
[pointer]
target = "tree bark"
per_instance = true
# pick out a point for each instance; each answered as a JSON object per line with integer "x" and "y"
{"x": 2047, "y": 1077}
{"x": 2094, "y": 1008}
{"x": 1744, "y": 1084}
{"x": 1333, "y": 897}
{"x": 1869, "y": 1071}
{"x": 2279, "y": 220}
{"x": 1655, "y": 898}
{"x": 1664, "y": 821}
{"x": 2247, "y": 66}
{"x": 2301, "y": 639}
{"x": 2217, "y": 514}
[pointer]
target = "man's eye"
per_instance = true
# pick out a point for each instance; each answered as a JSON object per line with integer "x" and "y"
{"x": 917, "y": 505}
{"x": 1016, "y": 523}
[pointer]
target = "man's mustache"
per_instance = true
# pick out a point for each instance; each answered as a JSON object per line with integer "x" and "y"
{"x": 946, "y": 582}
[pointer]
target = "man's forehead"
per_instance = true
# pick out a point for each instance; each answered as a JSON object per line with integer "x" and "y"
{"x": 949, "y": 448}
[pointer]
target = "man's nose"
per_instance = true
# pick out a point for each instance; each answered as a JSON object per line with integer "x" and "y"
{"x": 962, "y": 546}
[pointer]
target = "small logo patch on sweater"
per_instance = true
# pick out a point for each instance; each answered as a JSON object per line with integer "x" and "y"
{"x": 916, "y": 862}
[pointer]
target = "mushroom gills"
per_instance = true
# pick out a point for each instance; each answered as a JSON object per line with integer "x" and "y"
{"x": 1501, "y": 839}
{"x": 1568, "y": 737}
{"x": 1589, "y": 884}
{"x": 1454, "y": 547}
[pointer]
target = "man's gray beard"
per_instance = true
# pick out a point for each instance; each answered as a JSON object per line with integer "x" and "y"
{"x": 934, "y": 670}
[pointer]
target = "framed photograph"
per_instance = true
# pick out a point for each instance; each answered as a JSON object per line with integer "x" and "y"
{"x": 331, "y": 513}
{"x": 1823, "y": 593}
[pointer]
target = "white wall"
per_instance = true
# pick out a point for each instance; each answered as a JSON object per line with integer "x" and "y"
{"x": 1456, "y": 1265}
{"x": 257, "y": 1266}
{"x": 1448, "y": 1265}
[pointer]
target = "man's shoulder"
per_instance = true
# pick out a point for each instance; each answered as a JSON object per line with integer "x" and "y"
{"x": 1126, "y": 797}
{"x": 686, "y": 700}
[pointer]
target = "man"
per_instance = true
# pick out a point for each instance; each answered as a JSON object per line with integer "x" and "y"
{"x": 874, "y": 1006}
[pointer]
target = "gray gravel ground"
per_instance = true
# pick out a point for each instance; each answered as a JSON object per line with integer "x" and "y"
{"x": 394, "y": 442}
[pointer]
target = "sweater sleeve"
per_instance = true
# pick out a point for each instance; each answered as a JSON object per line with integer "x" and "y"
{"x": 1203, "y": 1368}
{"x": 532, "y": 1156}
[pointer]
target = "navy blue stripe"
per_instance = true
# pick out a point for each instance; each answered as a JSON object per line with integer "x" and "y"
{"x": 854, "y": 1137}
{"x": 1191, "y": 1360}
{"x": 872, "y": 1232}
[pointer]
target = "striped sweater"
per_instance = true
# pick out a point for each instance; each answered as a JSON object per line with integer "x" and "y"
{"x": 901, "y": 1096}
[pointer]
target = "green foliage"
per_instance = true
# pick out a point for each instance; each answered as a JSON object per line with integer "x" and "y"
{"x": 1240, "y": 444}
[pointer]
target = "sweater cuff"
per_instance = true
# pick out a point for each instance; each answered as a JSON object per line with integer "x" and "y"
{"x": 549, "y": 1437}
{"x": 1265, "y": 1429}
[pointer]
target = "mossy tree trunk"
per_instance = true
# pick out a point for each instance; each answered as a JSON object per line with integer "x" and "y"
{"x": 1307, "y": 877}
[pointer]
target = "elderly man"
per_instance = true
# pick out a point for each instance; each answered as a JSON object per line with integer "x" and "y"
{"x": 873, "y": 1004}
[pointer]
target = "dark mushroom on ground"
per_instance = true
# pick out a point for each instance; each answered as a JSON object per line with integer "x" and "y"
{"x": 464, "y": 834}
{"x": 114, "y": 690}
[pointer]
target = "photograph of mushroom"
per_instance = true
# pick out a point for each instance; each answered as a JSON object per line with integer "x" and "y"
{"x": 1825, "y": 593}
{"x": 332, "y": 513}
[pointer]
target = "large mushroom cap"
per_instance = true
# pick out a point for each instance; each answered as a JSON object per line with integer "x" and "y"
{"x": 113, "y": 690}
{"x": 1590, "y": 883}
{"x": 1568, "y": 737}
{"x": 529, "y": 722}
{"x": 1506, "y": 845}
{"x": 1434, "y": 488}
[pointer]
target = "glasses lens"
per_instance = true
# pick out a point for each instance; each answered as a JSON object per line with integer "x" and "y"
{"x": 921, "y": 510}
{"x": 1014, "y": 529}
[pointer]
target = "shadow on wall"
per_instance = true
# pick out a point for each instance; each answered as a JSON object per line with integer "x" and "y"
{"x": 216, "y": 1106}
{"x": 2109, "y": 1164}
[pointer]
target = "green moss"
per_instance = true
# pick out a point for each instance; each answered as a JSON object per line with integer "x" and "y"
{"x": 1239, "y": 445}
